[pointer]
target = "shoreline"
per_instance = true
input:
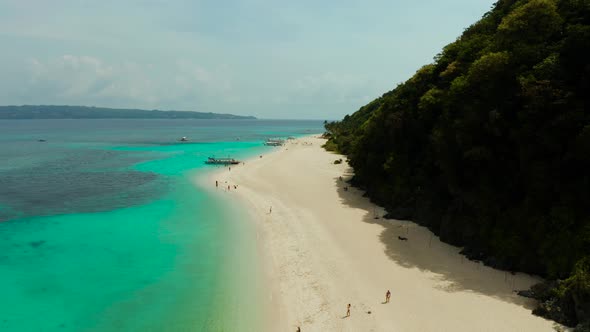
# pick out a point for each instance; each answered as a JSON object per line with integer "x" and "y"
{"x": 321, "y": 248}
{"x": 238, "y": 301}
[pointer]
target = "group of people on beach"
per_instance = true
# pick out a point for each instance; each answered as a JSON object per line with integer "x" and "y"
{"x": 349, "y": 306}
{"x": 228, "y": 186}
{"x": 387, "y": 299}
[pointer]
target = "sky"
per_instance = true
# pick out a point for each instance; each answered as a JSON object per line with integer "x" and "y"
{"x": 304, "y": 59}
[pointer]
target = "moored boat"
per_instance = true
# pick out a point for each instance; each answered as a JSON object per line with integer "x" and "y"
{"x": 274, "y": 142}
{"x": 221, "y": 161}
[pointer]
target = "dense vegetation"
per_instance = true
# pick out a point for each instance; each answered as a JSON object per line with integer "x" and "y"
{"x": 489, "y": 146}
{"x": 83, "y": 112}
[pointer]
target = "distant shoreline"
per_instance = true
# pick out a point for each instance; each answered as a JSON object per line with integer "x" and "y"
{"x": 33, "y": 112}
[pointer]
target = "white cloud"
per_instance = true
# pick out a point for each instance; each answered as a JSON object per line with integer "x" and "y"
{"x": 82, "y": 79}
{"x": 330, "y": 87}
{"x": 266, "y": 58}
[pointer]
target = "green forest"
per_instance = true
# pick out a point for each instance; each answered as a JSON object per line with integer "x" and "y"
{"x": 489, "y": 147}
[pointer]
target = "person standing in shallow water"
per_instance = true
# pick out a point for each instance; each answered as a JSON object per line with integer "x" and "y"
{"x": 216, "y": 184}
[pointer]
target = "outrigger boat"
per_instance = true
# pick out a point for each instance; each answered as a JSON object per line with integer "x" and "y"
{"x": 221, "y": 161}
{"x": 274, "y": 142}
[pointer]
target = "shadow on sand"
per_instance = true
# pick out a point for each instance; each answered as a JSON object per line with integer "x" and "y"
{"x": 413, "y": 246}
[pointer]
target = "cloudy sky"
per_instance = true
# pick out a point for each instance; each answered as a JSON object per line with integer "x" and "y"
{"x": 272, "y": 59}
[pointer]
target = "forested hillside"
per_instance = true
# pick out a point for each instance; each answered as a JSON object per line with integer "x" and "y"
{"x": 489, "y": 146}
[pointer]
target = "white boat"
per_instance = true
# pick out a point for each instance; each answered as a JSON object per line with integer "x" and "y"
{"x": 274, "y": 142}
{"x": 221, "y": 161}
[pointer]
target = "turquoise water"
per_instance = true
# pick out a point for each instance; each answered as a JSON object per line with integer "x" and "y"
{"x": 102, "y": 227}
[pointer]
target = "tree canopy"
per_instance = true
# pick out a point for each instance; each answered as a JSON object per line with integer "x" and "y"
{"x": 489, "y": 146}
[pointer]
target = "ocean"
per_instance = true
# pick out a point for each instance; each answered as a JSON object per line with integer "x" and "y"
{"x": 103, "y": 227}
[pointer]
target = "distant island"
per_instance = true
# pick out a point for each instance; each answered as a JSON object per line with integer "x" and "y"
{"x": 86, "y": 112}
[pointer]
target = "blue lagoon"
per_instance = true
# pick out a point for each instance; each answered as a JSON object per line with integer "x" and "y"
{"x": 102, "y": 227}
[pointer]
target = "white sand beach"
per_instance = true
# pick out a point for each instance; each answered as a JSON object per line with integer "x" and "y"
{"x": 323, "y": 248}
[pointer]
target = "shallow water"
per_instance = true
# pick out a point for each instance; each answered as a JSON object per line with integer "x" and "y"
{"x": 102, "y": 227}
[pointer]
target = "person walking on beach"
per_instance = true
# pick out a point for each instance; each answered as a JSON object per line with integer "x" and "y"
{"x": 270, "y": 211}
{"x": 387, "y": 296}
{"x": 348, "y": 310}
{"x": 298, "y": 329}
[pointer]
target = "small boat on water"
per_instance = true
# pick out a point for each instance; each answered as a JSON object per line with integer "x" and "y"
{"x": 183, "y": 139}
{"x": 274, "y": 142}
{"x": 221, "y": 161}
